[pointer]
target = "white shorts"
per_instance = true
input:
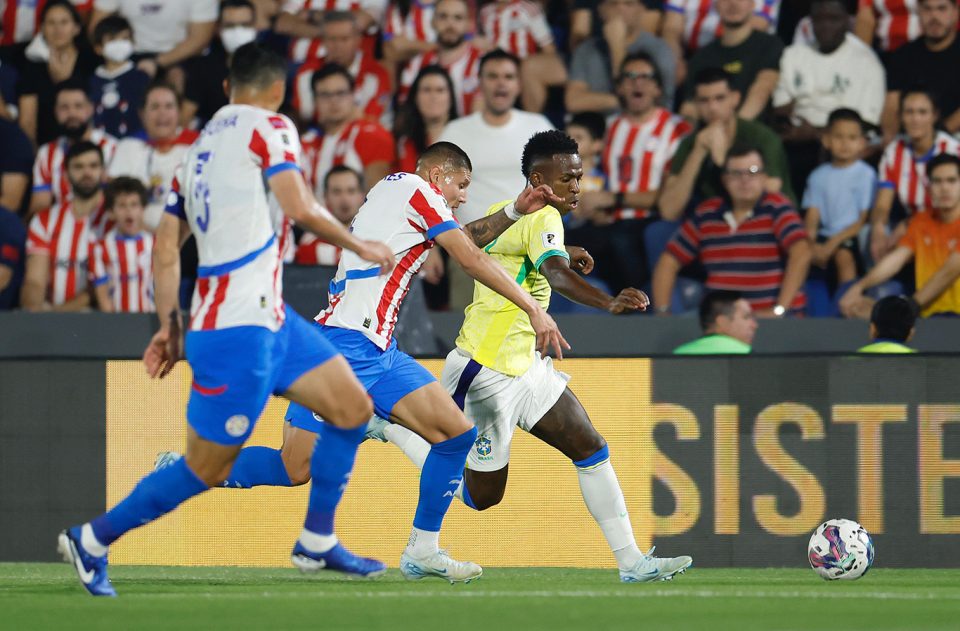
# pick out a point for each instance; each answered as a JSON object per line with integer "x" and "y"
{"x": 497, "y": 403}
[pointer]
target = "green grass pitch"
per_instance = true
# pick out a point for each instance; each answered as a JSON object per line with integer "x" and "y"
{"x": 48, "y": 596}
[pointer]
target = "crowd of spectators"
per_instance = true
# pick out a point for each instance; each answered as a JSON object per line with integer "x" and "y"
{"x": 801, "y": 155}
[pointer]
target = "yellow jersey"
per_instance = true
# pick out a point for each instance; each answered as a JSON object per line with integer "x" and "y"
{"x": 495, "y": 332}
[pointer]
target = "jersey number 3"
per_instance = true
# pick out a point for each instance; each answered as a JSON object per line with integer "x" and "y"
{"x": 201, "y": 191}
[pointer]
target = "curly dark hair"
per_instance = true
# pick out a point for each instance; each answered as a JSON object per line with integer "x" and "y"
{"x": 543, "y": 146}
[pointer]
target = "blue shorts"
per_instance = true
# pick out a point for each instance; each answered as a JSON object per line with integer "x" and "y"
{"x": 387, "y": 376}
{"x": 235, "y": 370}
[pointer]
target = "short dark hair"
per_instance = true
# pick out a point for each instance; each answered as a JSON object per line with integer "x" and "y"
{"x": 329, "y": 17}
{"x": 342, "y": 168}
{"x": 843, "y": 3}
{"x": 124, "y": 185}
{"x": 236, "y": 4}
{"x": 447, "y": 153}
{"x": 941, "y": 159}
{"x": 80, "y": 148}
{"x": 711, "y": 75}
{"x": 256, "y": 66}
{"x": 543, "y": 146}
{"x": 931, "y": 95}
{"x": 497, "y": 54}
{"x": 330, "y": 70}
{"x": 647, "y": 59}
{"x": 715, "y": 304}
{"x": 845, "y": 114}
{"x": 740, "y": 150}
{"x": 593, "y": 122}
{"x": 72, "y": 84}
{"x": 113, "y": 24}
{"x": 161, "y": 85}
{"x": 893, "y": 317}
{"x": 64, "y": 4}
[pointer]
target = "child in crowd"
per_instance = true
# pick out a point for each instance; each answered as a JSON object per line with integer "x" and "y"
{"x": 588, "y": 129}
{"x": 117, "y": 87}
{"x": 838, "y": 196}
{"x": 121, "y": 265}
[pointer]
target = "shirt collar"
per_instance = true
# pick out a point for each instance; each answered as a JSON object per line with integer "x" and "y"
{"x": 103, "y": 73}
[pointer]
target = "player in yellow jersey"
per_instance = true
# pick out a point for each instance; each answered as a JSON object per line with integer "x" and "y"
{"x": 496, "y": 376}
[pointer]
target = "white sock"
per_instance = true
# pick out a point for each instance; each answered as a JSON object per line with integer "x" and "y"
{"x": 423, "y": 543}
{"x": 410, "y": 443}
{"x": 317, "y": 543}
{"x": 604, "y": 499}
{"x": 89, "y": 541}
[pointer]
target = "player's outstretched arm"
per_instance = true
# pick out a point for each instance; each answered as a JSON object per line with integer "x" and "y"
{"x": 530, "y": 200}
{"x": 481, "y": 267}
{"x": 571, "y": 285}
{"x": 164, "y": 349}
{"x": 298, "y": 204}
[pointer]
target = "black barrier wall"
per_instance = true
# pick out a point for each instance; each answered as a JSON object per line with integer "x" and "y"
{"x": 746, "y": 455}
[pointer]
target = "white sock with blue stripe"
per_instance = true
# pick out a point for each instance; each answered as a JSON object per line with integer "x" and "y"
{"x": 604, "y": 499}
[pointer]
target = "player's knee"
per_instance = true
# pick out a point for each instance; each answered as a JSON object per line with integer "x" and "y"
{"x": 590, "y": 445}
{"x": 352, "y": 412}
{"x": 299, "y": 473}
{"x": 487, "y": 500}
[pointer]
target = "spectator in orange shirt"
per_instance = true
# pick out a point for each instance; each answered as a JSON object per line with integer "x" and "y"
{"x": 933, "y": 241}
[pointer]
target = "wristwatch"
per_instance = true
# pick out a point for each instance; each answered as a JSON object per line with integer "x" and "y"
{"x": 779, "y": 310}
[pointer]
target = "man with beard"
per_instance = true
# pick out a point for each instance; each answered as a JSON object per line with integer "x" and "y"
{"x": 59, "y": 238}
{"x": 458, "y": 56}
{"x": 74, "y": 114}
{"x": 750, "y": 57}
{"x": 494, "y": 139}
{"x": 927, "y": 62}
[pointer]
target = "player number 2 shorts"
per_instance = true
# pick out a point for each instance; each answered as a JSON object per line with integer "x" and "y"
{"x": 497, "y": 403}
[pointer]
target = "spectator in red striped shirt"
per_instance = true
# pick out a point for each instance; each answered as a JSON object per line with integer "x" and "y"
{"x": 343, "y": 196}
{"x": 422, "y": 118}
{"x": 74, "y": 113}
{"x": 750, "y": 241}
{"x": 408, "y": 31}
{"x": 121, "y": 264}
{"x": 889, "y": 23}
{"x": 640, "y": 144}
{"x": 302, "y": 20}
{"x": 344, "y": 136}
{"x": 520, "y": 28}
{"x": 58, "y": 239}
{"x": 903, "y": 171}
{"x": 458, "y": 55}
{"x": 341, "y": 41}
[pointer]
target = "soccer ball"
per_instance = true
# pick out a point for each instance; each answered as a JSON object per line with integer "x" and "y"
{"x": 840, "y": 549}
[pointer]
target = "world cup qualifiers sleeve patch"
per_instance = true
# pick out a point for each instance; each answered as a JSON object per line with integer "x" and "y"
{"x": 549, "y": 239}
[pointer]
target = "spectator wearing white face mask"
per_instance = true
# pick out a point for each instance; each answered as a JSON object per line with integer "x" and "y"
{"x": 116, "y": 87}
{"x": 204, "y": 93}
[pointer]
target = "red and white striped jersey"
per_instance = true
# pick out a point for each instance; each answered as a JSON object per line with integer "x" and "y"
{"x": 125, "y": 263}
{"x": 359, "y": 144}
{"x": 312, "y": 250}
{"x": 304, "y": 48}
{"x": 416, "y": 26}
{"x": 897, "y": 22}
{"x": 407, "y": 214}
{"x": 518, "y": 27}
{"x": 50, "y": 172}
{"x": 21, "y": 18}
{"x": 221, "y": 189}
{"x": 371, "y": 89}
{"x": 906, "y": 173}
{"x": 701, "y": 24}
{"x": 464, "y": 71}
{"x": 66, "y": 241}
{"x": 637, "y": 157}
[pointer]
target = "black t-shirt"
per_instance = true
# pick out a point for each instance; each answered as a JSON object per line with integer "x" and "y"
{"x": 760, "y": 51}
{"x": 204, "y": 85}
{"x": 913, "y": 65}
{"x": 17, "y": 153}
{"x": 35, "y": 79}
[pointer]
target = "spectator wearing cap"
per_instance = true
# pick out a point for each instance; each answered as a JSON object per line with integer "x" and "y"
{"x": 892, "y": 324}
{"x": 728, "y": 326}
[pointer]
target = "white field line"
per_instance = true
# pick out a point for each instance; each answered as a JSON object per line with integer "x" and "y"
{"x": 639, "y": 592}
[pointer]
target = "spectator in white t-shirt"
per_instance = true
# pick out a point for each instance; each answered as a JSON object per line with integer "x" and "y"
{"x": 165, "y": 33}
{"x": 494, "y": 139}
{"x": 152, "y": 161}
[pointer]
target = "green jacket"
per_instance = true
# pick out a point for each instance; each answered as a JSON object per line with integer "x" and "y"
{"x": 886, "y": 347}
{"x": 715, "y": 344}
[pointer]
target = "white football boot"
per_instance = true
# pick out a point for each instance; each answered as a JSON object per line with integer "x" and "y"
{"x": 651, "y": 568}
{"x": 438, "y": 564}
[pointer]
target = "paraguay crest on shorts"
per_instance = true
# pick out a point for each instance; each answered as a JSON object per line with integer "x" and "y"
{"x": 484, "y": 447}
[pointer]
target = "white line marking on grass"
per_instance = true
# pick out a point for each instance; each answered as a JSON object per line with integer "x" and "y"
{"x": 640, "y": 592}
